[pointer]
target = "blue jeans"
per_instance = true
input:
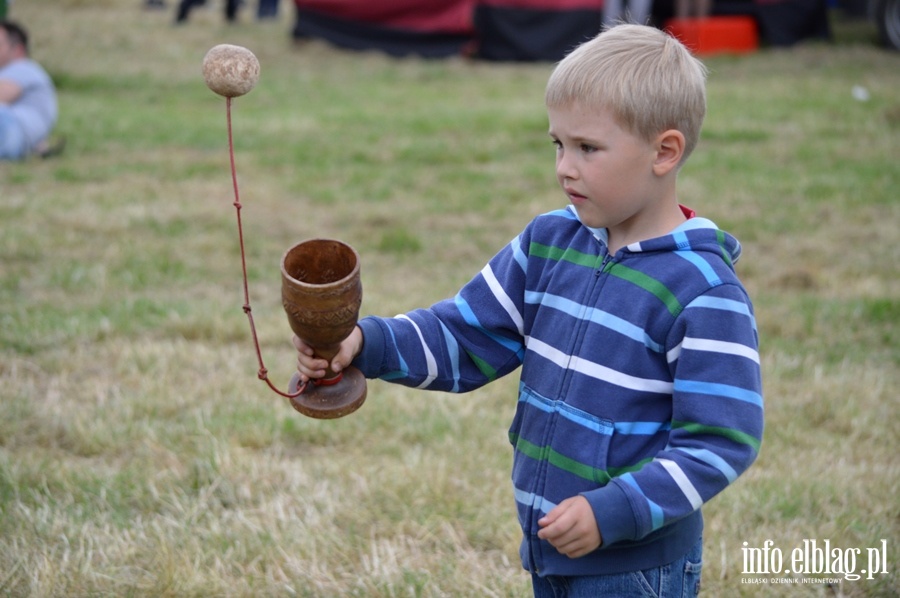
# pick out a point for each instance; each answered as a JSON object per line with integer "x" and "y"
{"x": 267, "y": 9}
{"x": 12, "y": 138}
{"x": 680, "y": 579}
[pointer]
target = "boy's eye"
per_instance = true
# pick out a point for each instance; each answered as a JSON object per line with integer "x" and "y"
{"x": 557, "y": 144}
{"x": 587, "y": 148}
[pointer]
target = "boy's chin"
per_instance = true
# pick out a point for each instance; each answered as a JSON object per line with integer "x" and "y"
{"x": 588, "y": 220}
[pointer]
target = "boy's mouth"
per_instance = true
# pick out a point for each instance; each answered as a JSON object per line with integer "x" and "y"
{"x": 574, "y": 196}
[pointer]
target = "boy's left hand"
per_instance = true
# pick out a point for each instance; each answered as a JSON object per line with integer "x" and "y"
{"x": 571, "y": 528}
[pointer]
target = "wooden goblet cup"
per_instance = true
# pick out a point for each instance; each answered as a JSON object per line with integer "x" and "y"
{"x": 321, "y": 293}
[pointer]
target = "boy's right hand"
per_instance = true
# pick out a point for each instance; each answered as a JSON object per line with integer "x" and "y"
{"x": 311, "y": 367}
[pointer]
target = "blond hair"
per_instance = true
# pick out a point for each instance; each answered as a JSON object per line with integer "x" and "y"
{"x": 644, "y": 77}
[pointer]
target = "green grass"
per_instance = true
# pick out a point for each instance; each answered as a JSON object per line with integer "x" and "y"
{"x": 141, "y": 456}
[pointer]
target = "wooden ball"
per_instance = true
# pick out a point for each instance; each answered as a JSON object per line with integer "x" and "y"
{"x": 230, "y": 71}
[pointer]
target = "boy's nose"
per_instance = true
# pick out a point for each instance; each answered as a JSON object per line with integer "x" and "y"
{"x": 564, "y": 169}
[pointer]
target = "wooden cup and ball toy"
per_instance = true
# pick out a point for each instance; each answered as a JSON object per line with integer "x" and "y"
{"x": 321, "y": 290}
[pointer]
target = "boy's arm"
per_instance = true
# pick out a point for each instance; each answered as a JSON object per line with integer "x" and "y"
{"x": 717, "y": 420}
{"x": 458, "y": 344}
{"x": 10, "y": 91}
{"x": 16, "y": 79}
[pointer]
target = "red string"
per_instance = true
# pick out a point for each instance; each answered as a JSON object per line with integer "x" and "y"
{"x": 263, "y": 372}
{"x": 329, "y": 381}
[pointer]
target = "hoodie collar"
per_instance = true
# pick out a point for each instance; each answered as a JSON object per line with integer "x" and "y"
{"x": 694, "y": 234}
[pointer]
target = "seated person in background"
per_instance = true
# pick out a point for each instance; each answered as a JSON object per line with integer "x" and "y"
{"x": 28, "y": 107}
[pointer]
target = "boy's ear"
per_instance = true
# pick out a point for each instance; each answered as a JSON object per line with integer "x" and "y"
{"x": 669, "y": 151}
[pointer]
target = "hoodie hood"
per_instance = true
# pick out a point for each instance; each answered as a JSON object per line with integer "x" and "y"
{"x": 694, "y": 235}
{"x": 697, "y": 235}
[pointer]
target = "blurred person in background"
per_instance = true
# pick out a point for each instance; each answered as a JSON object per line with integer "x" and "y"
{"x": 630, "y": 11}
{"x": 265, "y": 9}
{"x": 697, "y": 9}
{"x": 185, "y": 7}
{"x": 28, "y": 104}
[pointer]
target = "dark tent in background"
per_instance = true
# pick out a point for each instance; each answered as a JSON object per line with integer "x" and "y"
{"x": 785, "y": 22}
{"x": 516, "y": 30}
{"x": 534, "y": 30}
{"x": 429, "y": 28}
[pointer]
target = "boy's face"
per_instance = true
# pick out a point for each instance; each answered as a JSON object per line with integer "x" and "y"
{"x": 606, "y": 172}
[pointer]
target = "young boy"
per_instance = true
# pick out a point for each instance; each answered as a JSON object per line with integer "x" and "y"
{"x": 640, "y": 394}
{"x": 28, "y": 103}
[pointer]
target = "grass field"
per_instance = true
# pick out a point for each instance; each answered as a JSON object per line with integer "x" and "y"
{"x": 141, "y": 456}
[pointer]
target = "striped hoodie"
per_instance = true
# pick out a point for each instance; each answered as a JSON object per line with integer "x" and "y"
{"x": 640, "y": 385}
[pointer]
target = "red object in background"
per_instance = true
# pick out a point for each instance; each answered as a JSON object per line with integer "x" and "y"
{"x": 716, "y": 35}
{"x": 430, "y": 16}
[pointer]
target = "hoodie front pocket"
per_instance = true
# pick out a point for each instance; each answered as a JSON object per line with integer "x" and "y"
{"x": 564, "y": 441}
{"x": 580, "y": 445}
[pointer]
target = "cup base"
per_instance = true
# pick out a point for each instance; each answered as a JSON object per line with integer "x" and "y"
{"x": 333, "y": 401}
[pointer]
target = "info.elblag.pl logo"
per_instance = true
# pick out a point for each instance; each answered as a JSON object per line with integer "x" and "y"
{"x": 819, "y": 559}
